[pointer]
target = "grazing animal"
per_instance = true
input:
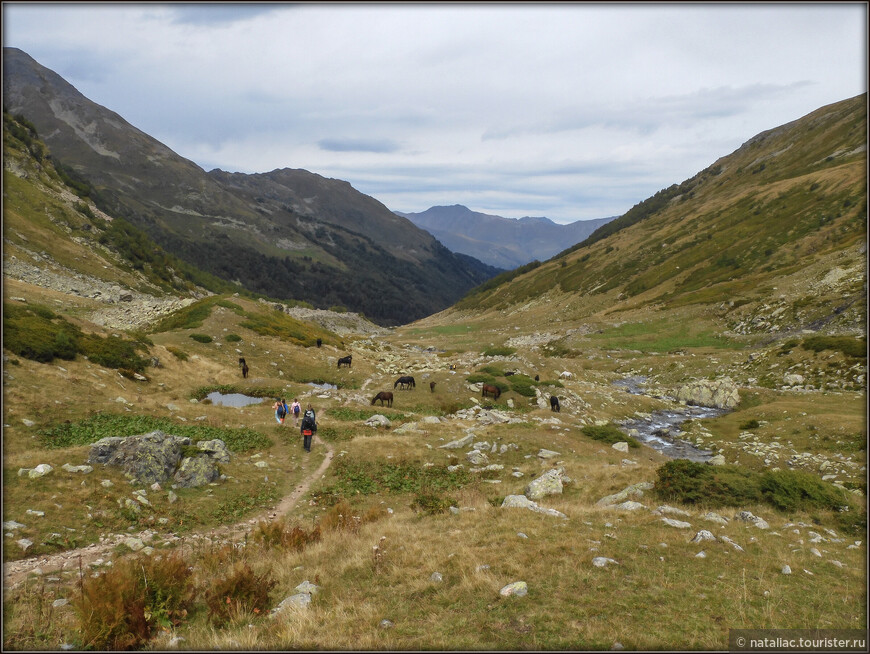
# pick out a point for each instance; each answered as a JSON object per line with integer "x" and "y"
{"x": 383, "y": 396}
{"x": 244, "y": 367}
{"x": 565, "y": 375}
{"x": 537, "y": 378}
{"x": 489, "y": 389}
{"x": 510, "y": 372}
{"x": 554, "y": 404}
{"x": 345, "y": 361}
{"x": 319, "y": 342}
{"x": 405, "y": 382}
{"x": 432, "y": 386}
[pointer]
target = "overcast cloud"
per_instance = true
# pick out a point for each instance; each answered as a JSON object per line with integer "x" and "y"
{"x": 570, "y": 111}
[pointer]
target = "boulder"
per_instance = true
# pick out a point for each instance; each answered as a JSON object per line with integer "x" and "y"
{"x": 719, "y": 393}
{"x": 635, "y": 490}
{"x": 477, "y": 458}
{"x": 216, "y": 449}
{"x": 196, "y": 471}
{"x": 550, "y": 483}
{"x": 517, "y": 589}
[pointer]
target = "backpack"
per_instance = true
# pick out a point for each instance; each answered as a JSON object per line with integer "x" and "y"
{"x": 281, "y": 411}
{"x": 308, "y": 420}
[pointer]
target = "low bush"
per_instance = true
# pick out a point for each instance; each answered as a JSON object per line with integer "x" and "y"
{"x": 233, "y": 338}
{"x": 610, "y": 434}
{"x": 112, "y": 352}
{"x": 179, "y": 354}
{"x": 201, "y": 338}
{"x": 499, "y": 351}
{"x": 750, "y": 424}
{"x": 523, "y": 385}
{"x": 288, "y": 537}
{"x": 791, "y": 490}
{"x": 853, "y": 347}
{"x": 238, "y": 594}
{"x": 431, "y": 504}
{"x": 123, "y": 608}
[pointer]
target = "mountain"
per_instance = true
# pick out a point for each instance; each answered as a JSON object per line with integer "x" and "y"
{"x": 769, "y": 238}
{"x": 290, "y": 234}
{"x": 501, "y": 242}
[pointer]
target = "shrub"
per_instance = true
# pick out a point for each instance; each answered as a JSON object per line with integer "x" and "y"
{"x": 609, "y": 433}
{"x": 240, "y": 592}
{"x": 431, "y": 504}
{"x": 790, "y": 490}
{"x": 480, "y": 378}
{"x": 499, "y": 351}
{"x": 181, "y": 355}
{"x": 523, "y": 384}
{"x": 36, "y": 333}
{"x": 853, "y": 347}
{"x": 690, "y": 482}
{"x": 233, "y": 338}
{"x": 280, "y": 534}
{"x": 749, "y": 424}
{"x": 201, "y": 338}
{"x": 112, "y": 352}
{"x": 122, "y": 608}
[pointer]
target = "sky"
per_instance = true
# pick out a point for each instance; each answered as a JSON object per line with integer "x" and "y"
{"x": 572, "y": 111}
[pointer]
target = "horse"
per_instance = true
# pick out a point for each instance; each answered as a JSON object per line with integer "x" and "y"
{"x": 554, "y": 404}
{"x": 489, "y": 389}
{"x": 432, "y": 386}
{"x": 383, "y": 396}
{"x": 510, "y": 372}
{"x": 537, "y": 378}
{"x": 405, "y": 382}
{"x": 319, "y": 342}
{"x": 244, "y": 367}
{"x": 345, "y": 361}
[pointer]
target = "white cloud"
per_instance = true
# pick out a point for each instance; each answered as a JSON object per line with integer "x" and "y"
{"x": 566, "y": 110}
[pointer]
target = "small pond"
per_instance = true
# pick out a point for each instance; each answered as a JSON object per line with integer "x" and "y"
{"x": 232, "y": 399}
{"x": 661, "y": 429}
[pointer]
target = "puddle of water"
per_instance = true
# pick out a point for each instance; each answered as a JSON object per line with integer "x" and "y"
{"x": 324, "y": 386}
{"x": 634, "y": 385}
{"x": 232, "y": 399}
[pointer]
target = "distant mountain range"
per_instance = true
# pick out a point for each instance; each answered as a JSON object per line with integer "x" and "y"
{"x": 502, "y": 242}
{"x": 288, "y": 234}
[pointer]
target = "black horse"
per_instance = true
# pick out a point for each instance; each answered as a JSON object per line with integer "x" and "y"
{"x": 405, "y": 382}
{"x": 489, "y": 389}
{"x": 554, "y": 404}
{"x": 432, "y": 386}
{"x": 244, "y": 367}
{"x": 345, "y": 361}
{"x": 384, "y": 396}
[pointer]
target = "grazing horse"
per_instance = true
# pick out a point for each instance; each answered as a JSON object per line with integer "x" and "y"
{"x": 510, "y": 372}
{"x": 554, "y": 404}
{"x": 244, "y": 367}
{"x": 345, "y": 361}
{"x": 489, "y": 389}
{"x": 405, "y": 382}
{"x": 383, "y": 396}
{"x": 432, "y": 386}
{"x": 537, "y": 378}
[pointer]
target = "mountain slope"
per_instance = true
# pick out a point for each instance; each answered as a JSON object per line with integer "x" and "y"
{"x": 789, "y": 201}
{"x": 288, "y": 234}
{"x": 499, "y": 241}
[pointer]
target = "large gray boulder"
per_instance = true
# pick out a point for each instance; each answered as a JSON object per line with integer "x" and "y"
{"x": 160, "y": 457}
{"x": 550, "y": 483}
{"x": 718, "y": 393}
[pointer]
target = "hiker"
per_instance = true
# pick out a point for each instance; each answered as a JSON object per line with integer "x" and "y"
{"x": 295, "y": 409}
{"x": 308, "y": 427}
{"x": 285, "y": 407}
{"x": 280, "y": 411}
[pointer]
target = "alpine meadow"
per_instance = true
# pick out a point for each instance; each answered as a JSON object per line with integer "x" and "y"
{"x": 649, "y": 440}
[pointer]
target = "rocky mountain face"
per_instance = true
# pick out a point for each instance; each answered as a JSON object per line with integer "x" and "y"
{"x": 289, "y": 234}
{"x": 771, "y": 238}
{"x": 498, "y": 241}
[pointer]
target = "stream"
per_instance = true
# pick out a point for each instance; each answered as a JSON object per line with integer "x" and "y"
{"x": 661, "y": 430}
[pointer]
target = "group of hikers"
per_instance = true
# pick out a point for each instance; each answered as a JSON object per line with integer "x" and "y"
{"x": 309, "y": 420}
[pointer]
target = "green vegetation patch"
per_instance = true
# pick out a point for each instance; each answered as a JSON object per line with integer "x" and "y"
{"x": 660, "y": 336}
{"x": 370, "y": 477}
{"x": 610, "y": 434}
{"x": 35, "y": 332}
{"x": 502, "y": 351}
{"x": 853, "y": 347}
{"x": 731, "y": 485}
{"x": 201, "y": 338}
{"x": 102, "y": 425}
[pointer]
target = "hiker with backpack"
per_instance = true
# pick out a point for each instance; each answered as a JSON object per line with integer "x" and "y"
{"x": 280, "y": 407}
{"x": 308, "y": 427}
{"x": 295, "y": 409}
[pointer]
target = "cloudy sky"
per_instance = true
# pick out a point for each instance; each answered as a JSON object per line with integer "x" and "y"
{"x": 567, "y": 110}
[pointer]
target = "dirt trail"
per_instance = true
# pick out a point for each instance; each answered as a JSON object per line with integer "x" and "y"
{"x": 14, "y": 572}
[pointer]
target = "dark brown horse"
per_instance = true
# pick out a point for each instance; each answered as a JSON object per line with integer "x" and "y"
{"x": 244, "y": 367}
{"x": 345, "y": 361}
{"x": 489, "y": 389}
{"x": 405, "y": 382}
{"x": 432, "y": 386}
{"x": 554, "y": 404}
{"x": 384, "y": 396}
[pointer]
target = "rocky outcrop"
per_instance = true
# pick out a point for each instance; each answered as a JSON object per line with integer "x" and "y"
{"x": 550, "y": 483}
{"x": 719, "y": 393}
{"x": 157, "y": 457}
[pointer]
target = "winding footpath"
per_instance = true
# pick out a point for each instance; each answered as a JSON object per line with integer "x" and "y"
{"x": 15, "y": 572}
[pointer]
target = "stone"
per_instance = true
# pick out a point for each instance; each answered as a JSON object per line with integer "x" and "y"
{"x": 550, "y": 483}
{"x": 11, "y": 525}
{"x": 786, "y": 570}
{"x": 60, "y": 602}
{"x": 476, "y": 457}
{"x": 378, "y": 420}
{"x": 522, "y": 502}
{"x": 547, "y": 454}
{"x": 717, "y": 460}
{"x": 24, "y": 544}
{"x": 34, "y": 473}
{"x": 297, "y": 601}
{"x": 196, "y": 471}
{"x": 746, "y": 516}
{"x": 635, "y": 490}
{"x": 701, "y": 555}
{"x": 517, "y": 589}
{"x": 702, "y": 536}
{"x": 603, "y": 561}
{"x": 216, "y": 449}
{"x": 385, "y": 624}
{"x": 679, "y": 524}
{"x": 628, "y": 505}
{"x": 134, "y": 544}
{"x": 714, "y": 517}
{"x": 307, "y": 587}
{"x": 436, "y": 577}
{"x": 621, "y": 446}
{"x": 670, "y": 510}
{"x": 720, "y": 393}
